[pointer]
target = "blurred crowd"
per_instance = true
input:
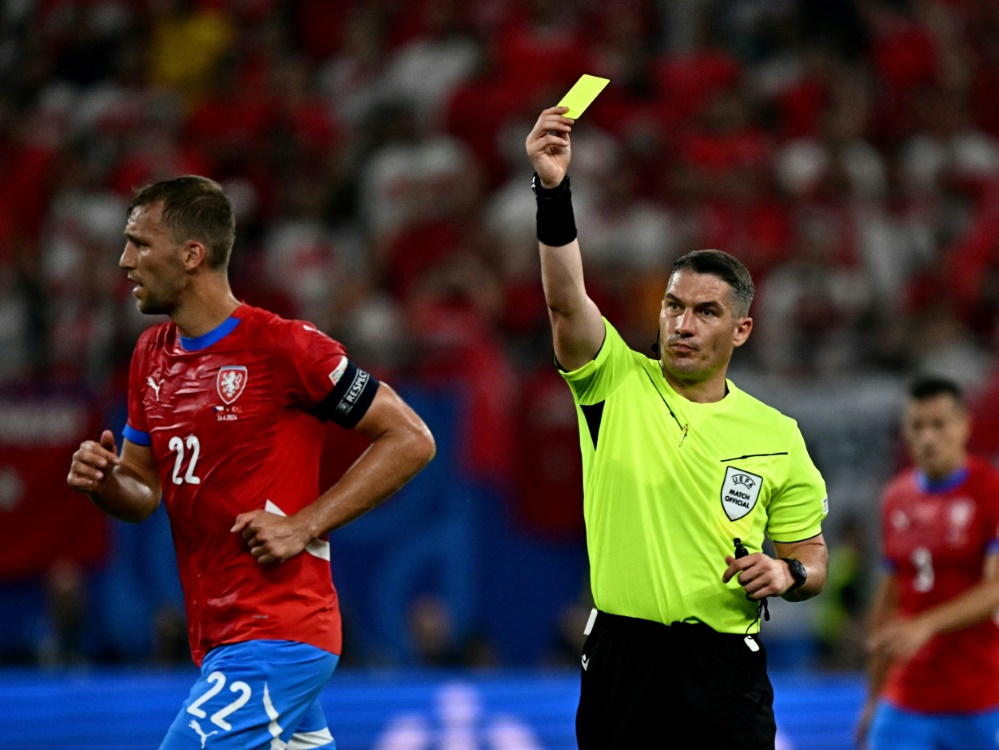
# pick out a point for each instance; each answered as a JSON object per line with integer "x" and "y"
{"x": 846, "y": 150}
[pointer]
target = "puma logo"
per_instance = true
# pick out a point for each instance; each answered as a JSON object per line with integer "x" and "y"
{"x": 204, "y": 737}
{"x": 155, "y": 386}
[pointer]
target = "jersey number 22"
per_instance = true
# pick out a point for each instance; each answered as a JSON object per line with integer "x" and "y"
{"x": 194, "y": 446}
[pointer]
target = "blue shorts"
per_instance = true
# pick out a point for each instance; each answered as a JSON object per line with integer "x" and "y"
{"x": 256, "y": 695}
{"x": 896, "y": 728}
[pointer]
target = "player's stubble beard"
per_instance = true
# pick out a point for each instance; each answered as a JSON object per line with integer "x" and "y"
{"x": 161, "y": 301}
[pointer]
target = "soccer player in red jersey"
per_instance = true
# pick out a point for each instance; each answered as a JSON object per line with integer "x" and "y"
{"x": 226, "y": 419}
{"x": 934, "y": 678}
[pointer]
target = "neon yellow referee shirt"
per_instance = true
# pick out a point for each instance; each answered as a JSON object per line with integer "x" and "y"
{"x": 668, "y": 483}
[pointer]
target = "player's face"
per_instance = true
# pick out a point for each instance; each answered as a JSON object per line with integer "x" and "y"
{"x": 153, "y": 259}
{"x": 697, "y": 327}
{"x": 936, "y": 430}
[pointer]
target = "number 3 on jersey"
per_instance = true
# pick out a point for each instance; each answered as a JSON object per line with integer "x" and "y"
{"x": 194, "y": 446}
{"x": 922, "y": 560}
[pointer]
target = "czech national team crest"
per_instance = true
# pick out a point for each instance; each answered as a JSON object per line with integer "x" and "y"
{"x": 739, "y": 492}
{"x": 230, "y": 382}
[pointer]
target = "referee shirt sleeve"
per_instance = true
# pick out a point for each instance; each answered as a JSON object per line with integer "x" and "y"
{"x": 598, "y": 378}
{"x": 801, "y": 503}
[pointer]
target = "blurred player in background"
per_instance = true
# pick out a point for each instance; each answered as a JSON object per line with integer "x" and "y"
{"x": 683, "y": 474}
{"x": 934, "y": 669}
{"x": 226, "y": 418}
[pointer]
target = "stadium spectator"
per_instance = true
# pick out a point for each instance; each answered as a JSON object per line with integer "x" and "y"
{"x": 935, "y": 643}
{"x": 811, "y": 307}
{"x": 433, "y": 637}
{"x": 237, "y": 397}
{"x": 424, "y": 71}
{"x": 69, "y": 632}
{"x": 205, "y": 34}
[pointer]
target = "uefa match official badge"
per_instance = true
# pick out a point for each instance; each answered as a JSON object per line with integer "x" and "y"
{"x": 230, "y": 382}
{"x": 739, "y": 492}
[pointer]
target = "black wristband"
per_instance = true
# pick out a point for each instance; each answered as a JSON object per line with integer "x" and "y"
{"x": 556, "y": 221}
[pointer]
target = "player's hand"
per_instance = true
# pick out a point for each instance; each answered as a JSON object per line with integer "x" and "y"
{"x": 548, "y": 146}
{"x": 271, "y": 538}
{"x": 759, "y": 574}
{"x": 900, "y": 639}
{"x": 93, "y": 463}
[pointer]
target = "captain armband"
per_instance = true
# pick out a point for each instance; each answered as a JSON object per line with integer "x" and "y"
{"x": 350, "y": 398}
{"x": 556, "y": 221}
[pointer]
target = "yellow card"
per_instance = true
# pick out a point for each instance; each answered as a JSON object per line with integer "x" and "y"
{"x": 582, "y": 94}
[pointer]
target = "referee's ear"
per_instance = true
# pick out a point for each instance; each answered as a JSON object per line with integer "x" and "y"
{"x": 743, "y": 327}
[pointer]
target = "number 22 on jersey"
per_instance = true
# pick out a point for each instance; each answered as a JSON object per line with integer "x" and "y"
{"x": 193, "y": 445}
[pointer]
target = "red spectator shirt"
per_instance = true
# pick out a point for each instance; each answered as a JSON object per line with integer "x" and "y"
{"x": 235, "y": 422}
{"x": 936, "y": 538}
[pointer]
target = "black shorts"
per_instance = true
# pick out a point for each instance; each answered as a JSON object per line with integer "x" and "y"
{"x": 648, "y": 685}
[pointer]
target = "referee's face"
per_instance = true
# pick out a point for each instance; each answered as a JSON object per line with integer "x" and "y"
{"x": 698, "y": 328}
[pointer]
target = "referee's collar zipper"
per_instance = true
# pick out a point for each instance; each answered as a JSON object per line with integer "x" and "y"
{"x": 683, "y": 427}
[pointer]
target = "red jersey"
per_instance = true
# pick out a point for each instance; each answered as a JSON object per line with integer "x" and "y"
{"x": 936, "y": 537}
{"x": 235, "y": 422}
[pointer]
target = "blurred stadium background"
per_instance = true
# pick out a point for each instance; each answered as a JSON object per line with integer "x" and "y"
{"x": 845, "y": 150}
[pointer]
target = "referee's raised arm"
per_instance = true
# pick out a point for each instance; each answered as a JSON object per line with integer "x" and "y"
{"x": 577, "y": 327}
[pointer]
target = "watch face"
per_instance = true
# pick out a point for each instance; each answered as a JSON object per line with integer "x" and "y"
{"x": 798, "y": 572}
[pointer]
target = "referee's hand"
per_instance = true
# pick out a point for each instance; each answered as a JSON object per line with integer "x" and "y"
{"x": 759, "y": 574}
{"x": 548, "y": 146}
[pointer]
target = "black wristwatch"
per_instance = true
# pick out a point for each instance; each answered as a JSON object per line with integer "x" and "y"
{"x": 798, "y": 573}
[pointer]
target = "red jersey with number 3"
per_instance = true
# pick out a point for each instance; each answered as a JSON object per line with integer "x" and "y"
{"x": 936, "y": 539}
{"x": 231, "y": 418}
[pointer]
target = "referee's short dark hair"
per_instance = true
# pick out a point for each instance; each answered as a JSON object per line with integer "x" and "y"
{"x": 928, "y": 386}
{"x": 194, "y": 208}
{"x": 726, "y": 267}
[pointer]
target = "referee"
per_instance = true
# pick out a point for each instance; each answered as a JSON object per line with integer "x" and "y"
{"x": 683, "y": 474}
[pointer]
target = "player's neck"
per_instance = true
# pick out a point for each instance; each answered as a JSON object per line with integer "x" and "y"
{"x": 943, "y": 474}
{"x": 206, "y": 306}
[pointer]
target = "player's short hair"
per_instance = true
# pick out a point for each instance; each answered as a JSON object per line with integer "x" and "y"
{"x": 195, "y": 208}
{"x": 726, "y": 267}
{"x": 928, "y": 386}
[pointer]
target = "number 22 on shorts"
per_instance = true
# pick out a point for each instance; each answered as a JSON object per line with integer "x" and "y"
{"x": 218, "y": 718}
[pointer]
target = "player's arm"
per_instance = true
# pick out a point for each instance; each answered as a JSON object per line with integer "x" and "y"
{"x": 126, "y": 487}
{"x": 883, "y": 610}
{"x": 577, "y": 327}
{"x": 762, "y": 576}
{"x": 401, "y": 445}
{"x": 903, "y": 638}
